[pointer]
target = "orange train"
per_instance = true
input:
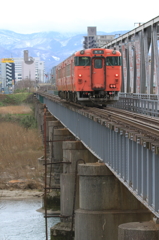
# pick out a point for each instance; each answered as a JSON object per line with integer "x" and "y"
{"x": 90, "y": 77}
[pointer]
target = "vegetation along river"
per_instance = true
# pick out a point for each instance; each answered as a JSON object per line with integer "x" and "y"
{"x": 20, "y": 174}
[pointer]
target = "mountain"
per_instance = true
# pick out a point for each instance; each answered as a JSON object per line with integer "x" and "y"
{"x": 51, "y": 47}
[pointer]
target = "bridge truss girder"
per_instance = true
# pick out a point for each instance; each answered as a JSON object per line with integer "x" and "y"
{"x": 140, "y": 54}
{"x": 133, "y": 160}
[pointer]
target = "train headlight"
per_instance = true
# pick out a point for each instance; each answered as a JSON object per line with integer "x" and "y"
{"x": 80, "y": 75}
{"x": 82, "y": 52}
{"x": 113, "y": 52}
{"x": 112, "y": 86}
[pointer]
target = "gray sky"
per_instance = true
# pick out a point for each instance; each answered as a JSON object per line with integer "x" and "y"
{"x": 74, "y": 16}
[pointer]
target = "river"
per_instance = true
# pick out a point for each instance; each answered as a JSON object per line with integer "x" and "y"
{"x": 19, "y": 220}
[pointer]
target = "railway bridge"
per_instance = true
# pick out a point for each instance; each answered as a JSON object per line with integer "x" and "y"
{"x": 126, "y": 143}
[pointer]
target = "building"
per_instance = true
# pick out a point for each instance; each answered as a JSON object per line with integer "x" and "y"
{"x": 92, "y": 40}
{"x": 13, "y": 70}
{"x": 7, "y": 72}
{"x": 18, "y": 68}
{"x": 29, "y": 68}
{"x": 39, "y": 70}
{"x": 53, "y": 76}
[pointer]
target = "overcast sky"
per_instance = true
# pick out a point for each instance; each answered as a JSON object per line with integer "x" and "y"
{"x": 32, "y": 16}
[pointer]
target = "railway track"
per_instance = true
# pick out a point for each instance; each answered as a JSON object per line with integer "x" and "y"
{"x": 142, "y": 123}
{"x": 146, "y": 125}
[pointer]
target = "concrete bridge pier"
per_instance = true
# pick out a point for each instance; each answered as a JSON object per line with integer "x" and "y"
{"x": 49, "y": 118}
{"x": 39, "y": 115}
{"x": 104, "y": 203}
{"x": 57, "y": 134}
{"x": 52, "y": 125}
{"x": 72, "y": 151}
{"x": 60, "y": 135}
{"x": 137, "y": 230}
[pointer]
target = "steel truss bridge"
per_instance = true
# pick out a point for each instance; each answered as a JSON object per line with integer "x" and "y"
{"x": 139, "y": 49}
{"x": 133, "y": 159}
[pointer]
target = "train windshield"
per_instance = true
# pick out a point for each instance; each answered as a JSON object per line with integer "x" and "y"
{"x": 113, "y": 61}
{"x": 82, "y": 61}
{"x": 97, "y": 63}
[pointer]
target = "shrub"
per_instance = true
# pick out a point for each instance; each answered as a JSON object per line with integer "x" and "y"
{"x": 1, "y": 104}
{"x": 28, "y": 121}
{"x": 16, "y": 98}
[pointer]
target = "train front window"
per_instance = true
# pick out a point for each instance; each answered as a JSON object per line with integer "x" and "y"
{"x": 82, "y": 61}
{"x": 113, "y": 61}
{"x": 97, "y": 63}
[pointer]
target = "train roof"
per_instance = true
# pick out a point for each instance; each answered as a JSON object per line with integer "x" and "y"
{"x": 90, "y": 51}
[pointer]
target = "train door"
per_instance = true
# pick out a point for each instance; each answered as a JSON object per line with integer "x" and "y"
{"x": 98, "y": 73}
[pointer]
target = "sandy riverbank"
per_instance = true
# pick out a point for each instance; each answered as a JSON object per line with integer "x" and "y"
{"x": 27, "y": 194}
{"x": 20, "y": 194}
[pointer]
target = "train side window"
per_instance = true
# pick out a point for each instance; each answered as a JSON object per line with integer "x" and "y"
{"x": 113, "y": 61}
{"x": 98, "y": 63}
{"x": 82, "y": 61}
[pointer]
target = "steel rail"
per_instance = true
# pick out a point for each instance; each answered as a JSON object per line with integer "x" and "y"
{"x": 129, "y": 121}
{"x": 147, "y": 122}
{"x": 151, "y": 119}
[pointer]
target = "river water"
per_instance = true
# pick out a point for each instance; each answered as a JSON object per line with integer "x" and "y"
{"x": 19, "y": 220}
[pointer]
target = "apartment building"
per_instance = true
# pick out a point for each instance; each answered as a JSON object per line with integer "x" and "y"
{"x": 7, "y": 72}
{"x": 92, "y": 40}
{"x": 13, "y": 70}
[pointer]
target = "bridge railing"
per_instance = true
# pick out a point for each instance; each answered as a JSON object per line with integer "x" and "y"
{"x": 139, "y": 96}
{"x": 147, "y": 104}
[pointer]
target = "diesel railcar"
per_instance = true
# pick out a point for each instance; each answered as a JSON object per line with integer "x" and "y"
{"x": 91, "y": 76}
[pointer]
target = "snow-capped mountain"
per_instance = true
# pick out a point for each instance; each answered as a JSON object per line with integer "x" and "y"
{"x": 51, "y": 47}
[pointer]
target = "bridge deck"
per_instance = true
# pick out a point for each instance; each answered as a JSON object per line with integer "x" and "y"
{"x": 132, "y": 161}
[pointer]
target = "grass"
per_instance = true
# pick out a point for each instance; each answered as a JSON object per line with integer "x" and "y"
{"x": 20, "y": 147}
{"x": 19, "y": 151}
{"x": 22, "y": 109}
{"x": 14, "y": 99}
{"x": 22, "y": 114}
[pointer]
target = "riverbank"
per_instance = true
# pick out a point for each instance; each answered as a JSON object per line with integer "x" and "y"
{"x": 20, "y": 194}
{"x": 20, "y": 174}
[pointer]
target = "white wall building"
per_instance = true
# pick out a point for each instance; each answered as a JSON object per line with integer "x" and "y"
{"x": 26, "y": 68}
{"x": 29, "y": 68}
{"x": 39, "y": 70}
{"x": 18, "y": 68}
